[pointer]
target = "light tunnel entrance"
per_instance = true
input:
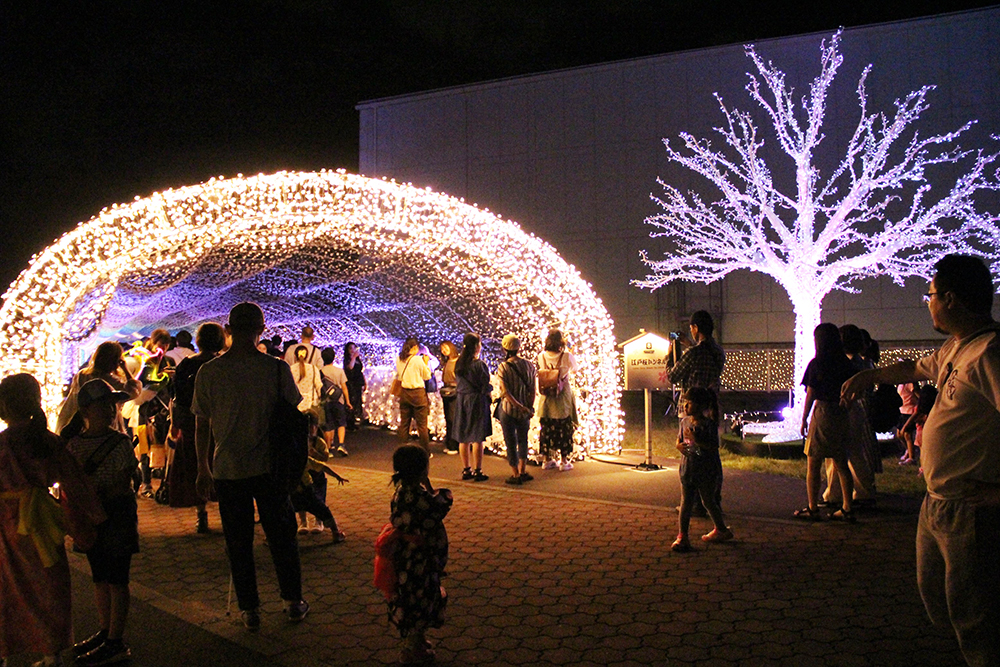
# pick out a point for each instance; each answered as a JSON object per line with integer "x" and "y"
{"x": 357, "y": 259}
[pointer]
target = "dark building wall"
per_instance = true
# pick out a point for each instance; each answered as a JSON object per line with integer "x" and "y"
{"x": 573, "y": 156}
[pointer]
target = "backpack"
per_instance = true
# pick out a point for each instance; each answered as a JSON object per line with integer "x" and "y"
{"x": 551, "y": 381}
{"x": 331, "y": 392}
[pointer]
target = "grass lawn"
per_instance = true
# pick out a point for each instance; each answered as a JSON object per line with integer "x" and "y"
{"x": 895, "y": 479}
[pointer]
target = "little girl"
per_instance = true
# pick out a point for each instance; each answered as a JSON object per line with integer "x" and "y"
{"x": 310, "y": 495}
{"x": 418, "y": 513}
{"x": 701, "y": 467}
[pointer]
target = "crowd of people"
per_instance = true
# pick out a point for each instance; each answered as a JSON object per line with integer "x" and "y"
{"x": 471, "y": 403}
{"x": 214, "y": 407}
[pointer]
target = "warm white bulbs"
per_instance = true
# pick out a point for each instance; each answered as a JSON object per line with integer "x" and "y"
{"x": 377, "y": 259}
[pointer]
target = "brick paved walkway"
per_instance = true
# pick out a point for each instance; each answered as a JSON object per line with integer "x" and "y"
{"x": 538, "y": 578}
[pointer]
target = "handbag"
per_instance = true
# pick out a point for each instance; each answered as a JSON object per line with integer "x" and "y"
{"x": 288, "y": 440}
{"x": 397, "y": 382}
{"x": 385, "y": 570}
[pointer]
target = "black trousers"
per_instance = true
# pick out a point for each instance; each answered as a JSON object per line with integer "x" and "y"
{"x": 236, "y": 501}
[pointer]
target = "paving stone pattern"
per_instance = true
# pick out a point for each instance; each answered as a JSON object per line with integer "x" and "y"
{"x": 539, "y": 579}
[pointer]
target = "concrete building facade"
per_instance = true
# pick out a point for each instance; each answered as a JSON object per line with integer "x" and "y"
{"x": 574, "y": 156}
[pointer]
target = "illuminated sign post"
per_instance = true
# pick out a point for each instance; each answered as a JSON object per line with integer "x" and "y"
{"x": 646, "y": 369}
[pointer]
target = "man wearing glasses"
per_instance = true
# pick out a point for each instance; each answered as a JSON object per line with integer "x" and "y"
{"x": 958, "y": 535}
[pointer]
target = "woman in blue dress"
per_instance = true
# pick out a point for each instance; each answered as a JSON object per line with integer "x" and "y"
{"x": 472, "y": 408}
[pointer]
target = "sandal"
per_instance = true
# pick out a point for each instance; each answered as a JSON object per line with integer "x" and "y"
{"x": 808, "y": 514}
{"x": 844, "y": 515}
{"x": 681, "y": 545}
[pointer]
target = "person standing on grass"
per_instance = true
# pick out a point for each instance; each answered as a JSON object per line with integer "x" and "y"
{"x": 234, "y": 396}
{"x": 826, "y": 423}
{"x": 958, "y": 533}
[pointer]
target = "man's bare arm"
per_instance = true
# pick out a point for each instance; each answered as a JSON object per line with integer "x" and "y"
{"x": 898, "y": 373}
{"x": 202, "y": 440}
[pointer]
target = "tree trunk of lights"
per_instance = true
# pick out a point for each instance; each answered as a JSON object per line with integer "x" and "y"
{"x": 808, "y": 309}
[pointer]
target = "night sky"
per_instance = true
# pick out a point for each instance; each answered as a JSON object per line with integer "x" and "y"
{"x": 101, "y": 102}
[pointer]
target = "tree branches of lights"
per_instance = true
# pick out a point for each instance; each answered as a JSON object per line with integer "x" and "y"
{"x": 872, "y": 214}
{"x": 372, "y": 259}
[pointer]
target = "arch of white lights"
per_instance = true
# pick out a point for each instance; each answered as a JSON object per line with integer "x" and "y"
{"x": 323, "y": 241}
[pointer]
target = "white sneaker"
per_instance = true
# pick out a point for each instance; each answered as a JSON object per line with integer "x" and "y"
{"x": 311, "y": 523}
{"x": 549, "y": 465}
{"x": 564, "y": 466}
{"x": 303, "y": 527}
{"x": 317, "y": 528}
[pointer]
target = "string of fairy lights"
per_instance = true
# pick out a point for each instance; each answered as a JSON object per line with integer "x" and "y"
{"x": 356, "y": 258}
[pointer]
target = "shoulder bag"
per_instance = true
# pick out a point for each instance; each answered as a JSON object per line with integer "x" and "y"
{"x": 397, "y": 382}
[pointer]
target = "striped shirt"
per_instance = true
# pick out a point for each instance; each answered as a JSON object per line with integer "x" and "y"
{"x": 518, "y": 377}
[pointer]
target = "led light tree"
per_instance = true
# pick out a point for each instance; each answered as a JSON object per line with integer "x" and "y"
{"x": 872, "y": 214}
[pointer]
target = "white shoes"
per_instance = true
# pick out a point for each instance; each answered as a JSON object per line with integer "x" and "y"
{"x": 565, "y": 465}
{"x": 317, "y": 527}
{"x": 549, "y": 465}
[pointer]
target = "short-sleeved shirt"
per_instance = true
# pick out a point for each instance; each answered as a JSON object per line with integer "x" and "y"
{"x": 826, "y": 379}
{"x": 560, "y": 406}
{"x": 961, "y": 437}
{"x": 113, "y": 477}
{"x": 413, "y": 373}
{"x": 336, "y": 375}
{"x": 518, "y": 377}
{"x": 237, "y": 395}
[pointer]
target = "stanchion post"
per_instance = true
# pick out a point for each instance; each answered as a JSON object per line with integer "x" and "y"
{"x": 648, "y": 463}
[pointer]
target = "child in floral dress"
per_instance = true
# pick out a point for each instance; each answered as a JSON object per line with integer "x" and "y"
{"x": 418, "y": 512}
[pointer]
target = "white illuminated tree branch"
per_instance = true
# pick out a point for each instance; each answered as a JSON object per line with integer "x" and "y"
{"x": 873, "y": 214}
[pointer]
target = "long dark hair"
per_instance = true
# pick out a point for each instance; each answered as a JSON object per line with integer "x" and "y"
{"x": 106, "y": 358}
{"x": 408, "y": 345}
{"x": 469, "y": 344}
{"x": 554, "y": 341}
{"x": 829, "y": 346}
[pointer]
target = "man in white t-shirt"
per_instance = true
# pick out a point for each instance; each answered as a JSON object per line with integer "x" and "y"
{"x": 182, "y": 348}
{"x": 313, "y": 355}
{"x": 958, "y": 535}
{"x": 234, "y": 395}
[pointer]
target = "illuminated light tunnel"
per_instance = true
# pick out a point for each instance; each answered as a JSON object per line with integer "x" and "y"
{"x": 356, "y": 258}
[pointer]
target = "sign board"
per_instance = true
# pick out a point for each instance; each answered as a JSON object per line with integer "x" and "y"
{"x": 646, "y": 362}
